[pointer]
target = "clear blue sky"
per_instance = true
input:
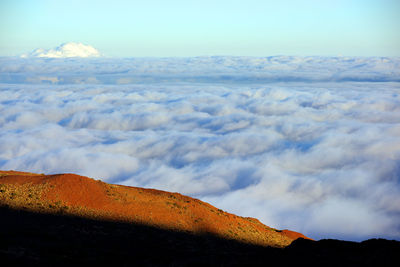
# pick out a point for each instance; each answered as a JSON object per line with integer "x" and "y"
{"x": 204, "y": 27}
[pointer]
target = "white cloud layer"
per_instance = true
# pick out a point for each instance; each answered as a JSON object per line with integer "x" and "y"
{"x": 319, "y": 155}
{"x": 232, "y": 70}
{"x": 65, "y": 50}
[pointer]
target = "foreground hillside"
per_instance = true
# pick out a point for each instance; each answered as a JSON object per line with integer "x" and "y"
{"x": 81, "y": 196}
{"x": 70, "y": 220}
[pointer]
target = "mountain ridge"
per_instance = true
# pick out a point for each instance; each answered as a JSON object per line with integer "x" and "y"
{"x": 43, "y": 223}
{"x": 79, "y": 195}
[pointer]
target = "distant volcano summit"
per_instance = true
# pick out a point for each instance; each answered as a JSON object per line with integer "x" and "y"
{"x": 65, "y": 50}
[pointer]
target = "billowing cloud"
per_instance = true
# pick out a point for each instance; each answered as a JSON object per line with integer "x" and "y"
{"x": 65, "y": 50}
{"x": 319, "y": 157}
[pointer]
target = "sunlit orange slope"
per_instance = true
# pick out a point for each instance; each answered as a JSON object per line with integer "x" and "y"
{"x": 78, "y": 195}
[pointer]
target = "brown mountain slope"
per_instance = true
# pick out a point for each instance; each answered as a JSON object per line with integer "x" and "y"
{"x": 72, "y": 194}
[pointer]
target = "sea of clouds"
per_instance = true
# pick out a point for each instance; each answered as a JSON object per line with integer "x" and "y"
{"x": 311, "y": 144}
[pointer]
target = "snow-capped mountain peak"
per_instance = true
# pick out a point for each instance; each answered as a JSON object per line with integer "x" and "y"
{"x": 70, "y": 49}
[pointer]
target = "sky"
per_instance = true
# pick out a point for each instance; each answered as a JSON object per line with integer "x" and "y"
{"x": 159, "y": 28}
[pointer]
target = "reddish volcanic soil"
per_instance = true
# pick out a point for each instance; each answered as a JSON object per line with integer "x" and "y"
{"x": 72, "y": 194}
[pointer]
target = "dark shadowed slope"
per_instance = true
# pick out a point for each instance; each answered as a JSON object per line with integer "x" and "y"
{"x": 70, "y": 220}
{"x": 81, "y": 196}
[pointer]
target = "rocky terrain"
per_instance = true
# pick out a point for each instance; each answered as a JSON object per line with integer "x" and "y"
{"x": 67, "y": 219}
